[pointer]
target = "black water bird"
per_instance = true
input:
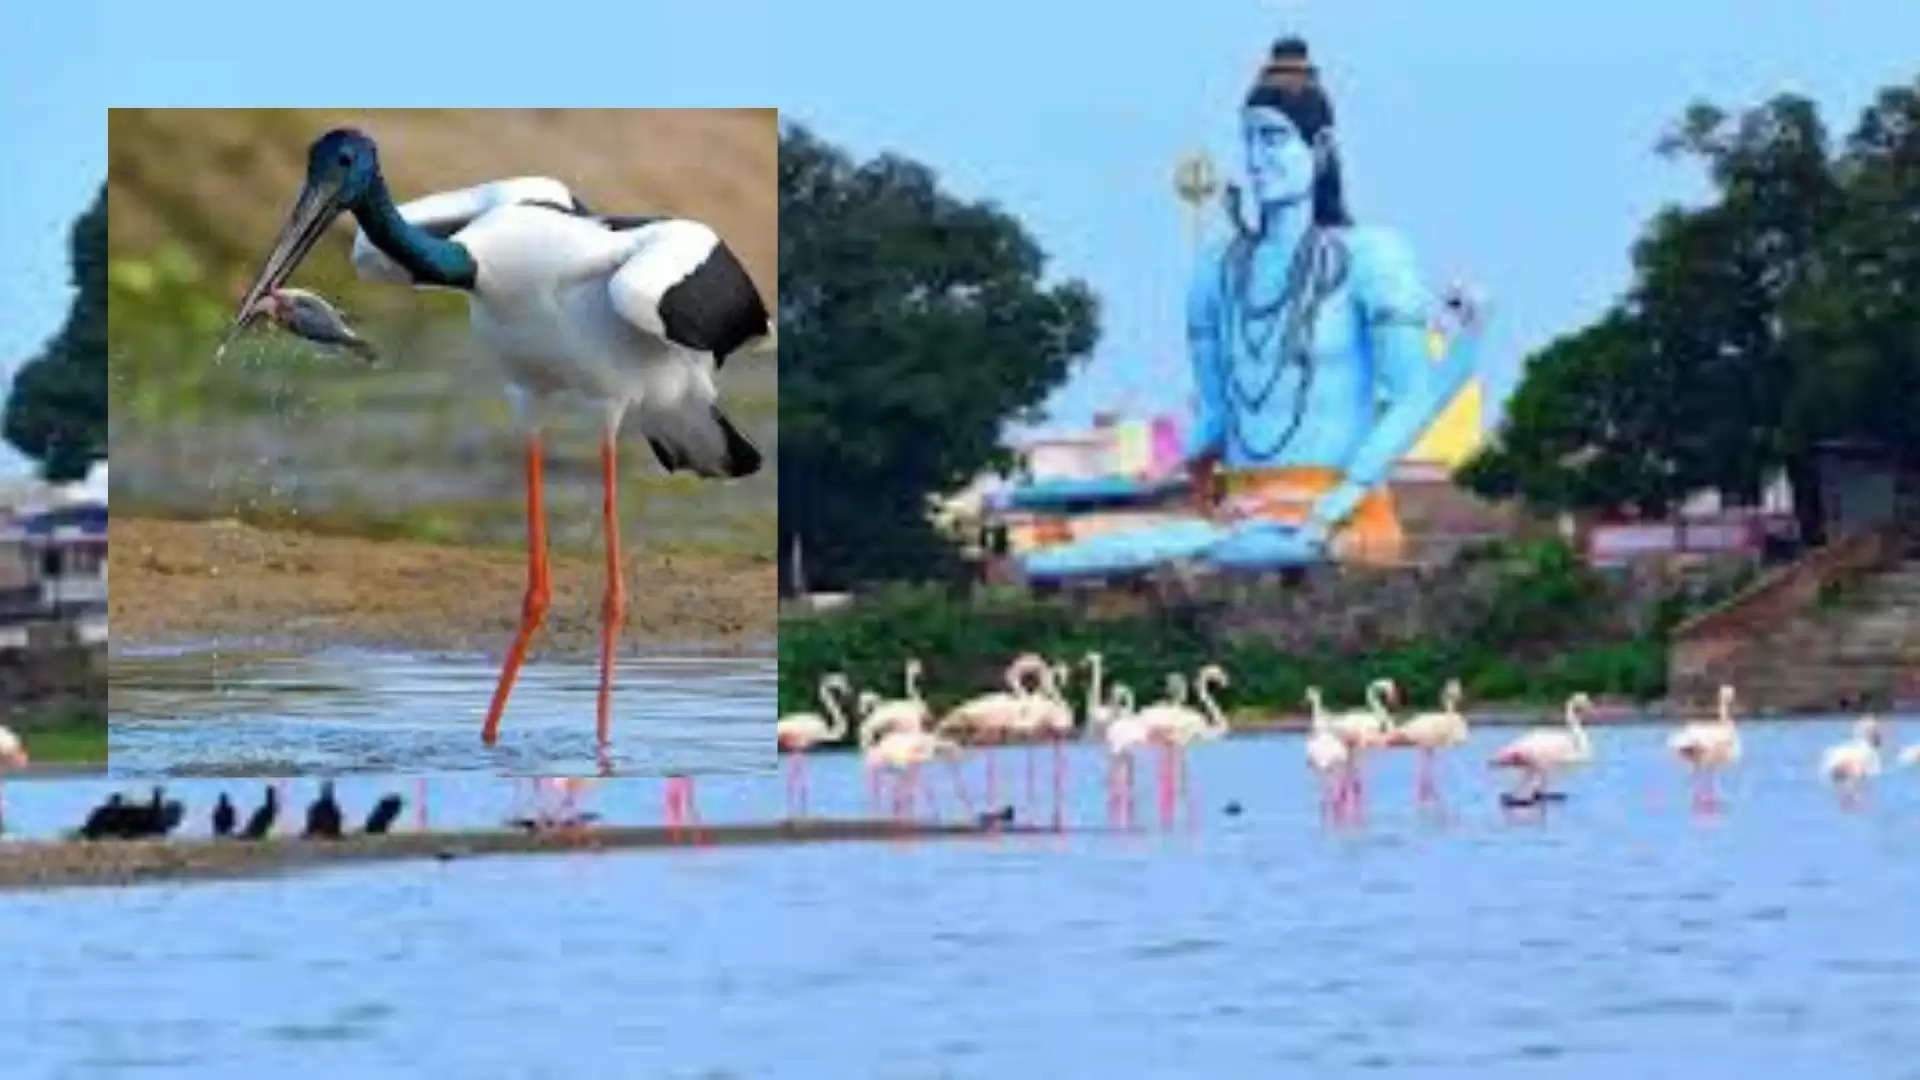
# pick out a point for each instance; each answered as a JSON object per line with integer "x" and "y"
{"x": 223, "y": 816}
{"x": 986, "y": 819}
{"x": 323, "y": 816}
{"x": 383, "y": 814}
{"x": 262, "y": 819}
{"x": 105, "y": 819}
{"x": 171, "y": 812}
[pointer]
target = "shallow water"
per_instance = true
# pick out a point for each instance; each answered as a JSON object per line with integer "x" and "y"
{"x": 364, "y": 711}
{"x": 1617, "y": 936}
{"x": 47, "y": 808}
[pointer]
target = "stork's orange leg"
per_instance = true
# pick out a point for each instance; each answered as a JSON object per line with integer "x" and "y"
{"x": 614, "y": 610}
{"x": 539, "y": 592}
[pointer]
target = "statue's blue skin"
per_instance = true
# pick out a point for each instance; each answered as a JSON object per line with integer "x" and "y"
{"x": 1373, "y": 387}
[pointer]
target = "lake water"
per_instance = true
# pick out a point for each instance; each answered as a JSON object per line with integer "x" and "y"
{"x": 1619, "y": 935}
{"x": 364, "y": 711}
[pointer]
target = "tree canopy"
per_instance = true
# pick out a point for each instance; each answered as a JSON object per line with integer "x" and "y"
{"x": 1780, "y": 314}
{"x": 913, "y": 326}
{"x": 57, "y": 412}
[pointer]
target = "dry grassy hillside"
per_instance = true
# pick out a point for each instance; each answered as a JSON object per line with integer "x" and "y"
{"x": 219, "y": 181}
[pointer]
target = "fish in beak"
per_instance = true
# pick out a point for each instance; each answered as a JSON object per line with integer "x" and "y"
{"x": 308, "y": 315}
{"x": 312, "y": 212}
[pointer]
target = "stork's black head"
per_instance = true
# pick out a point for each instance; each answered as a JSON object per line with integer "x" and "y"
{"x": 343, "y": 162}
{"x": 342, "y": 169}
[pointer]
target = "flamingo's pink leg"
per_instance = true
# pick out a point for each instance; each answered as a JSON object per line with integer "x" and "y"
{"x": 1059, "y": 784}
{"x": 960, "y": 788}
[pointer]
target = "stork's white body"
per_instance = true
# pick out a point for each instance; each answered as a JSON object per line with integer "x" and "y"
{"x": 572, "y": 306}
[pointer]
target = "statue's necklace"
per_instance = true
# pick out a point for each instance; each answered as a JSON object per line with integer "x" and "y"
{"x": 1290, "y": 314}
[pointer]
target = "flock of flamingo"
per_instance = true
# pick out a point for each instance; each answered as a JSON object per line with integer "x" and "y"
{"x": 898, "y": 736}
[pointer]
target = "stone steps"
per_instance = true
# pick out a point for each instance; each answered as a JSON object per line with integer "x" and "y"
{"x": 1868, "y": 643}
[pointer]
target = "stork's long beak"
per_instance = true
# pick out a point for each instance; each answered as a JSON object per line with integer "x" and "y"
{"x": 312, "y": 212}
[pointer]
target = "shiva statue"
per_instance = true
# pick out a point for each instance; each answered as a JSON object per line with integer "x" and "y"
{"x": 1313, "y": 348}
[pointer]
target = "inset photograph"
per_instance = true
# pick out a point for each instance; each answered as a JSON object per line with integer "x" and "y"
{"x": 451, "y": 440}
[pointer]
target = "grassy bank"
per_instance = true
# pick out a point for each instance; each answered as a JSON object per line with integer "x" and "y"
{"x": 70, "y": 736}
{"x": 1529, "y": 639}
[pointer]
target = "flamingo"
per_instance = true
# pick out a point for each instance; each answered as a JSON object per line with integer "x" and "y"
{"x": 993, "y": 716}
{"x": 1363, "y": 730}
{"x": 1053, "y": 720}
{"x": 1546, "y": 750}
{"x": 1707, "y": 747}
{"x": 627, "y": 313}
{"x": 1176, "y": 726}
{"x": 1160, "y": 717}
{"x": 800, "y": 732}
{"x": 1099, "y": 710}
{"x": 1849, "y": 765}
{"x": 13, "y": 755}
{"x": 1431, "y": 733}
{"x": 909, "y": 713}
{"x": 1124, "y": 734}
{"x": 1328, "y": 756}
{"x": 903, "y": 753}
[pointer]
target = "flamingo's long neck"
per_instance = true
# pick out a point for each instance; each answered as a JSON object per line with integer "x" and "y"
{"x": 1574, "y": 709}
{"x": 1376, "y": 691}
{"x": 836, "y": 719}
{"x": 913, "y": 681}
{"x": 1319, "y": 711}
{"x": 430, "y": 259}
{"x": 1216, "y": 720}
{"x": 1094, "y": 703}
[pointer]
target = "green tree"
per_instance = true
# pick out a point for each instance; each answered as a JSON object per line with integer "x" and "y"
{"x": 1778, "y": 315}
{"x": 1854, "y": 324}
{"x": 1581, "y": 430}
{"x": 57, "y": 412}
{"x": 913, "y": 327}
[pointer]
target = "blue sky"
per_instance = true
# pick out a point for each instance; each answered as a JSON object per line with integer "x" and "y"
{"x": 1511, "y": 141}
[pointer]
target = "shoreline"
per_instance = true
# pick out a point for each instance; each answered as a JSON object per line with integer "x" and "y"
{"x": 188, "y": 586}
{"x": 50, "y": 864}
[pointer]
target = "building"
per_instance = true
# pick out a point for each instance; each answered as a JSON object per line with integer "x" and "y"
{"x": 53, "y": 561}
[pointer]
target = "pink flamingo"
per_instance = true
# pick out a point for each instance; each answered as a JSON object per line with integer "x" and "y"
{"x": 1175, "y": 727}
{"x": 799, "y": 733}
{"x": 1328, "y": 756}
{"x": 1430, "y": 733}
{"x": 1125, "y": 734}
{"x": 1543, "y": 751}
{"x": 909, "y": 713}
{"x": 993, "y": 717}
{"x": 1707, "y": 747}
{"x": 1363, "y": 730}
{"x": 902, "y": 753}
{"x": 1850, "y": 765}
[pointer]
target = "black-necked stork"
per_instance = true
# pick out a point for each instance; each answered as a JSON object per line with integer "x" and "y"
{"x": 628, "y": 313}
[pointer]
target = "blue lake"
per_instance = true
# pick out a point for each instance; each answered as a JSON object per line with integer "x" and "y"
{"x": 1618, "y": 935}
{"x": 362, "y": 711}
